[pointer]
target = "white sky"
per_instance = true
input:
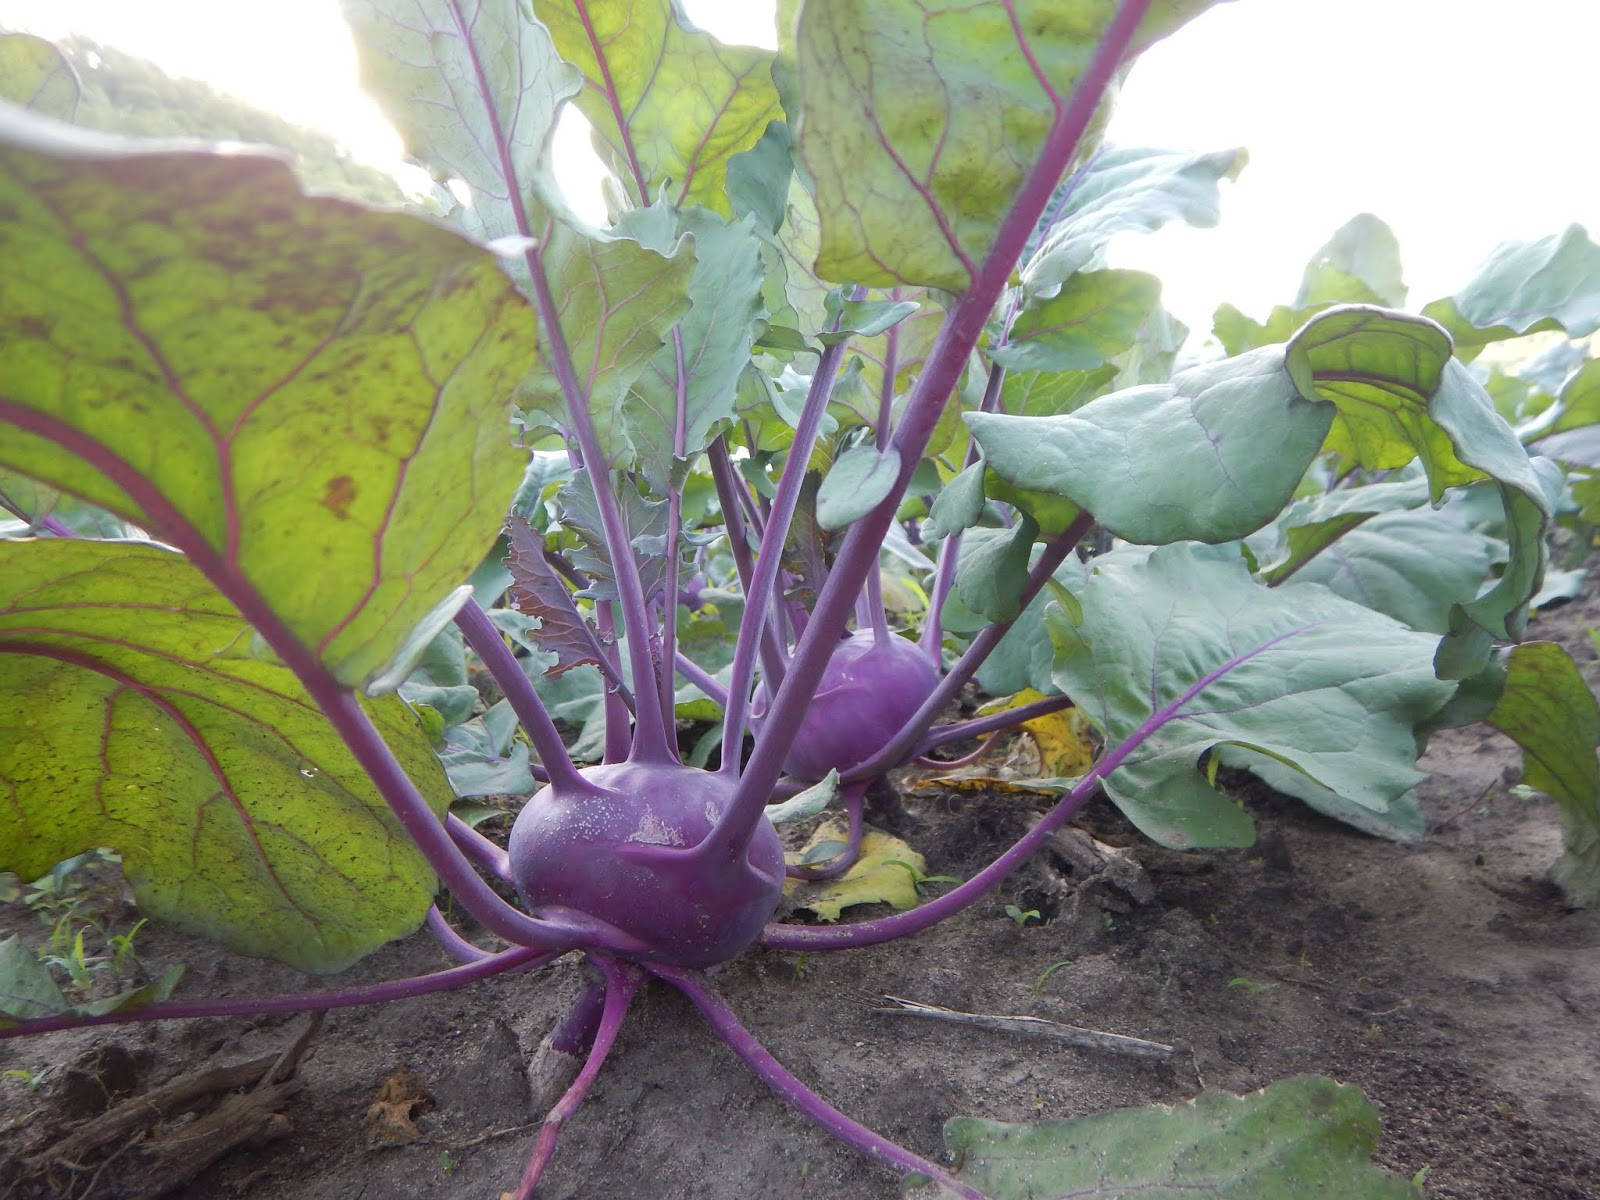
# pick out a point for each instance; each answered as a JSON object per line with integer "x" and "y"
{"x": 1458, "y": 123}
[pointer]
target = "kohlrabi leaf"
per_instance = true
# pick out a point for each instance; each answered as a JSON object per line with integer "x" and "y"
{"x": 305, "y": 396}
{"x": 1548, "y": 710}
{"x": 1053, "y": 393}
{"x": 1310, "y": 525}
{"x": 1122, "y": 189}
{"x": 1412, "y": 566}
{"x": 855, "y": 484}
{"x": 1401, "y": 821}
{"x": 646, "y": 522}
{"x": 1359, "y": 265}
{"x": 36, "y": 75}
{"x": 669, "y": 104}
{"x": 539, "y": 592}
{"x": 993, "y": 568}
{"x": 1400, "y": 395}
{"x": 1237, "y": 333}
{"x": 958, "y": 505}
{"x": 863, "y": 318}
{"x": 1095, "y": 316}
{"x": 143, "y": 722}
{"x": 1293, "y": 1140}
{"x": 759, "y": 178}
{"x": 1526, "y": 287}
{"x": 473, "y": 86}
{"x": 617, "y": 300}
{"x": 1210, "y": 456}
{"x": 699, "y": 364}
{"x": 1182, "y": 644}
{"x": 919, "y": 121}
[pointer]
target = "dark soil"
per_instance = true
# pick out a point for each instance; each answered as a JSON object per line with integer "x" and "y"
{"x": 1444, "y": 977}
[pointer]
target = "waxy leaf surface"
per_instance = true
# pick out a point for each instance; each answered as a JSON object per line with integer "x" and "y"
{"x": 919, "y": 121}
{"x": 1548, "y": 710}
{"x": 1182, "y": 643}
{"x": 305, "y": 396}
{"x": 669, "y": 104}
{"x": 1401, "y": 395}
{"x": 1301, "y": 1137}
{"x": 133, "y": 715}
{"x": 1210, "y": 456}
{"x": 473, "y": 86}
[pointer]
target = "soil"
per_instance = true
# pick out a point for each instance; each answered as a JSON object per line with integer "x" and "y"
{"x": 1444, "y": 977}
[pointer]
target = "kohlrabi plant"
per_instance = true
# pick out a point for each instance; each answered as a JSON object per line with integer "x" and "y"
{"x": 293, "y": 469}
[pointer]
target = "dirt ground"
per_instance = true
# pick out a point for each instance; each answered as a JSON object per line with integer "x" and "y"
{"x": 1444, "y": 977}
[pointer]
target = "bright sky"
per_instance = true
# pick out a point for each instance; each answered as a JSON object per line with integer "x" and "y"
{"x": 1453, "y": 120}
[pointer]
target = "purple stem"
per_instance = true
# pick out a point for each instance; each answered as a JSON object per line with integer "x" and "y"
{"x": 944, "y": 575}
{"x": 480, "y": 851}
{"x": 846, "y": 858}
{"x": 772, "y": 1073}
{"x": 487, "y": 642}
{"x": 576, "y": 1032}
{"x": 621, "y": 983}
{"x": 884, "y": 929}
{"x": 619, "y": 731}
{"x": 944, "y": 764}
{"x": 945, "y": 362}
{"x": 669, "y": 600}
{"x": 942, "y": 735}
{"x": 707, "y": 684}
{"x": 758, "y": 599}
{"x": 518, "y": 958}
{"x": 46, "y": 522}
{"x": 891, "y": 354}
{"x": 730, "y": 492}
{"x": 456, "y": 946}
{"x": 903, "y": 744}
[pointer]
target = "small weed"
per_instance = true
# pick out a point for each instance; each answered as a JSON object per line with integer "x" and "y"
{"x": 1038, "y": 984}
{"x": 1021, "y": 917}
{"x": 1254, "y": 986}
{"x": 30, "y": 1079}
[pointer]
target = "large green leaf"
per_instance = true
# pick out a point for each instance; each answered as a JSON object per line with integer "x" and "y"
{"x": 306, "y": 396}
{"x": 1548, "y": 710}
{"x": 1401, "y": 395}
{"x": 1325, "y": 686}
{"x": 617, "y": 299}
{"x": 1122, "y": 189}
{"x": 36, "y": 75}
{"x": 473, "y": 86}
{"x": 1095, "y": 316}
{"x": 1210, "y": 456}
{"x": 1294, "y": 1140}
{"x": 134, "y": 715}
{"x": 670, "y": 105}
{"x": 1359, "y": 265}
{"x": 919, "y": 120}
{"x": 1526, "y": 287}
{"x": 709, "y": 349}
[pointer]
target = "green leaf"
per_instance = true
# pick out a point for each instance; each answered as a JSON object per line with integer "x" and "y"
{"x": 1359, "y": 265}
{"x": 1401, "y": 821}
{"x": 1124, "y": 189}
{"x": 855, "y": 484}
{"x": 712, "y": 340}
{"x": 759, "y": 178}
{"x": 149, "y": 727}
{"x": 305, "y": 394}
{"x": 993, "y": 568}
{"x": 617, "y": 299}
{"x": 473, "y": 86}
{"x": 1548, "y": 710}
{"x": 807, "y": 803}
{"x": 1526, "y": 287}
{"x": 670, "y": 105}
{"x": 919, "y": 121}
{"x": 1400, "y": 395}
{"x": 36, "y": 75}
{"x": 1327, "y": 687}
{"x": 1238, "y": 333}
{"x": 1293, "y": 1140}
{"x": 1134, "y": 458}
{"x": 27, "y": 989}
{"x": 958, "y": 505}
{"x": 1095, "y": 316}
{"x": 1312, "y": 524}
{"x": 864, "y": 318}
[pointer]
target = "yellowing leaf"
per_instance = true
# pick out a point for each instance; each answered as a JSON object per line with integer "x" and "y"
{"x": 887, "y": 872}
